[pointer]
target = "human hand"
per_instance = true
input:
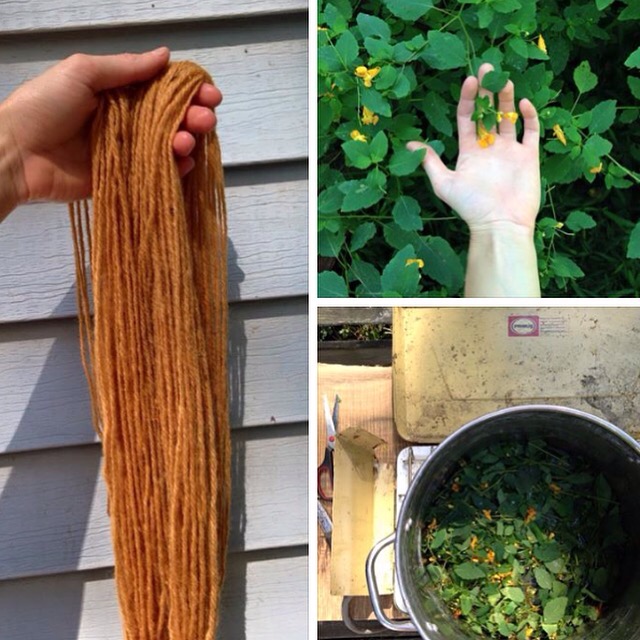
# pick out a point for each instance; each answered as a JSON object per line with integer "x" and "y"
{"x": 498, "y": 185}
{"x": 45, "y": 124}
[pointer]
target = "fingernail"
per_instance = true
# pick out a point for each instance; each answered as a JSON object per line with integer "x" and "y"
{"x": 160, "y": 51}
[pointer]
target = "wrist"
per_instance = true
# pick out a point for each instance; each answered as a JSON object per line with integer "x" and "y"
{"x": 12, "y": 187}
{"x": 503, "y": 228}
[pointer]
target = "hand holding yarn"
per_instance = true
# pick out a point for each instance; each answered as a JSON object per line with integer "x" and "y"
{"x": 45, "y": 124}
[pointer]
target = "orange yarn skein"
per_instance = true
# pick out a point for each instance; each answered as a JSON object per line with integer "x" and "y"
{"x": 155, "y": 351}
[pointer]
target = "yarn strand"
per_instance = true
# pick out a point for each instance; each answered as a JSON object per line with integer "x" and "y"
{"x": 152, "y": 257}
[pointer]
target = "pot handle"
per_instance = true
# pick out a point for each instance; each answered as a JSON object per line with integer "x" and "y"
{"x": 372, "y": 584}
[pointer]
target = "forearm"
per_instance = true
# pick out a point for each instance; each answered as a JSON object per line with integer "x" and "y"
{"x": 9, "y": 163}
{"x": 502, "y": 262}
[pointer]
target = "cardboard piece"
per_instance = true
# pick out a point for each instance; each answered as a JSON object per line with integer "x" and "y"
{"x": 454, "y": 364}
{"x": 360, "y": 500}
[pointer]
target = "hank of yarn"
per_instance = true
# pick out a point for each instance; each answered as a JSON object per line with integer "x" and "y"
{"x": 151, "y": 255}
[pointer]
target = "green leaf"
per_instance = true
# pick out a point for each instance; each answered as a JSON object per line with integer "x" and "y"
{"x": 603, "y": 489}
{"x": 373, "y": 26}
{"x": 506, "y": 6}
{"x": 441, "y": 263}
{"x": 386, "y": 78}
{"x": 436, "y": 109}
{"x": 331, "y": 285}
{"x": 408, "y": 9}
{"x": 404, "y": 162}
{"x": 330, "y": 200}
{"x": 374, "y": 101}
{"x": 547, "y": 552}
{"x": 359, "y": 194}
{"x": 485, "y": 16}
{"x": 634, "y": 85}
{"x": 495, "y": 80}
{"x": 378, "y": 49}
{"x": 466, "y": 605}
{"x": 543, "y": 578}
{"x": 402, "y": 86}
{"x": 358, "y": 153}
{"x": 400, "y": 277}
{"x": 519, "y": 46}
{"x": 469, "y": 571}
{"x": 368, "y": 276}
{"x": 378, "y": 147}
{"x": 603, "y": 4}
{"x": 633, "y": 61}
{"x": 516, "y": 594}
{"x": 406, "y": 213}
{"x": 438, "y": 539}
{"x": 363, "y": 233}
{"x": 579, "y": 220}
{"x": 633, "y": 248}
{"x": 554, "y": 610}
{"x": 347, "y": 48}
{"x": 329, "y": 243}
{"x": 584, "y": 78}
{"x": 603, "y": 115}
{"x": 632, "y": 12}
{"x": 594, "y": 148}
{"x": 446, "y": 51}
{"x": 564, "y": 267}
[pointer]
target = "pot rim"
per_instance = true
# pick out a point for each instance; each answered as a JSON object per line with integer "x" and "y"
{"x": 402, "y": 523}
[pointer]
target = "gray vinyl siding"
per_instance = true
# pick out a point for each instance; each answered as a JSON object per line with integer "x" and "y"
{"x": 56, "y": 560}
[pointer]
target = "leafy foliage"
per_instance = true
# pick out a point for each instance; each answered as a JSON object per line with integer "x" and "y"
{"x": 525, "y": 541}
{"x": 376, "y": 207}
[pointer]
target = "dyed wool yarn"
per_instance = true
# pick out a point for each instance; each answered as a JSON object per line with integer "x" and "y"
{"x": 153, "y": 253}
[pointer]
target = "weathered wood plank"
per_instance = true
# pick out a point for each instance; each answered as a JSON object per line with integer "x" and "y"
{"x": 264, "y": 597}
{"x": 354, "y": 315}
{"x": 43, "y": 394}
{"x": 267, "y": 249}
{"x": 53, "y": 505}
{"x": 261, "y": 69}
{"x": 42, "y": 15}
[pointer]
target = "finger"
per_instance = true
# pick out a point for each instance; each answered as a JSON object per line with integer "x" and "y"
{"x": 183, "y": 143}
{"x": 199, "y": 119}
{"x": 185, "y": 165}
{"x": 531, "y": 137}
{"x": 208, "y": 96}
{"x": 466, "y": 106}
{"x": 438, "y": 173}
{"x": 506, "y": 105}
{"x": 108, "y": 72}
{"x": 482, "y": 72}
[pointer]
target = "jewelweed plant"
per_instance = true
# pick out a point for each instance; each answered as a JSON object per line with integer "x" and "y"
{"x": 389, "y": 71}
{"x": 526, "y": 542}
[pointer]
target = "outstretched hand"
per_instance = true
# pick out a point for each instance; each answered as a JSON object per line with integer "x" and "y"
{"x": 495, "y": 185}
{"x": 45, "y": 124}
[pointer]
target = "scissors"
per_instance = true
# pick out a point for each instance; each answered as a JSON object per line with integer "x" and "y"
{"x": 325, "y": 470}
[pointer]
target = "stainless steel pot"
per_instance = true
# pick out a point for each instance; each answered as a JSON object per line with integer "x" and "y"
{"x": 609, "y": 449}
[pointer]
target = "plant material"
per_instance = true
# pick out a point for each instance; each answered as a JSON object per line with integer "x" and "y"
{"x": 530, "y": 544}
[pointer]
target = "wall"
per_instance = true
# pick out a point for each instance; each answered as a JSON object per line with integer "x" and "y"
{"x": 56, "y": 562}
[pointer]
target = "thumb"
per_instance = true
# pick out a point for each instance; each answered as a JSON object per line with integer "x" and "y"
{"x": 438, "y": 173}
{"x": 109, "y": 72}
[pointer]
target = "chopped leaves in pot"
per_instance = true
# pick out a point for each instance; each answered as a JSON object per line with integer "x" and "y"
{"x": 525, "y": 542}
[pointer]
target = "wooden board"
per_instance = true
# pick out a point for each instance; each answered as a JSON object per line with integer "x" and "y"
{"x": 267, "y": 249}
{"x": 265, "y": 597}
{"x": 44, "y": 397}
{"x": 42, "y": 15}
{"x": 261, "y": 70}
{"x": 53, "y": 504}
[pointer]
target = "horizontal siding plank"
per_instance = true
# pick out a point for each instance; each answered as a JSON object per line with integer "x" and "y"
{"x": 263, "y": 598}
{"x": 267, "y": 250}
{"x": 53, "y": 504}
{"x": 42, "y": 15}
{"x": 262, "y": 74}
{"x": 43, "y": 393}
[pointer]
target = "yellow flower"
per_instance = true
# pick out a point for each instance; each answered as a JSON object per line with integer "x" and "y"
{"x": 491, "y": 556}
{"x": 487, "y": 514}
{"x": 367, "y": 75}
{"x": 420, "y": 264}
{"x": 528, "y": 632}
{"x": 499, "y": 115}
{"x": 323, "y": 29}
{"x": 486, "y": 139}
{"x": 554, "y": 487}
{"x": 368, "y": 117}
{"x": 474, "y": 542}
{"x": 356, "y": 135}
{"x": 559, "y": 133}
{"x": 542, "y": 45}
{"x": 597, "y": 169}
{"x": 511, "y": 116}
{"x": 433, "y": 525}
{"x": 531, "y": 515}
